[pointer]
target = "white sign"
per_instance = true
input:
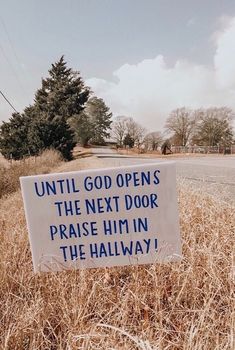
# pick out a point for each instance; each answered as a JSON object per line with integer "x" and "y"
{"x": 105, "y": 217}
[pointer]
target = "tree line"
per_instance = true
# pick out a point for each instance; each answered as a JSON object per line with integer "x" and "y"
{"x": 202, "y": 127}
{"x": 64, "y": 112}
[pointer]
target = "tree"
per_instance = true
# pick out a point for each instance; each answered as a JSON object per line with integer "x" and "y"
{"x": 94, "y": 123}
{"x": 23, "y": 136}
{"x": 128, "y": 141}
{"x": 100, "y": 117}
{"x": 214, "y": 127}
{"x": 166, "y": 147}
{"x": 119, "y": 129}
{"x": 54, "y": 133}
{"x": 83, "y": 128}
{"x": 62, "y": 93}
{"x": 135, "y": 130}
{"x": 45, "y": 123}
{"x": 182, "y": 123}
{"x": 13, "y": 137}
{"x": 153, "y": 140}
{"x": 123, "y": 126}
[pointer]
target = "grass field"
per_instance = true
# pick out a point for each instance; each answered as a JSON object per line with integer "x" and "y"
{"x": 187, "y": 305}
{"x": 11, "y": 171}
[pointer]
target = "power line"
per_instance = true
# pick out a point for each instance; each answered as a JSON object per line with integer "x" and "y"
{"x": 8, "y": 101}
{"x": 14, "y": 52}
{"x": 10, "y": 41}
{"x": 12, "y": 68}
{"x": 9, "y": 63}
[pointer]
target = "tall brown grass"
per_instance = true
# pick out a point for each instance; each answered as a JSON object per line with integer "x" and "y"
{"x": 10, "y": 173}
{"x": 187, "y": 305}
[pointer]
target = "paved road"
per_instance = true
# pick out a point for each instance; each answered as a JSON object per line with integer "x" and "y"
{"x": 213, "y": 174}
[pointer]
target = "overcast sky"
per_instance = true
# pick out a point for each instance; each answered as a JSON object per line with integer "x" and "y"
{"x": 144, "y": 57}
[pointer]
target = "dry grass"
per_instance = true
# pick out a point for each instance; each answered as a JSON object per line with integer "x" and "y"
{"x": 80, "y": 152}
{"x": 10, "y": 172}
{"x": 3, "y": 161}
{"x": 158, "y": 154}
{"x": 188, "y": 305}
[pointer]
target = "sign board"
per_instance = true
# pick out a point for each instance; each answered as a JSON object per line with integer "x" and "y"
{"x": 101, "y": 218}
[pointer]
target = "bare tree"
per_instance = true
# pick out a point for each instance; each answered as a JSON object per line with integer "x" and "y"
{"x": 123, "y": 126}
{"x": 136, "y": 131}
{"x": 119, "y": 129}
{"x": 182, "y": 123}
{"x": 214, "y": 127}
{"x": 153, "y": 140}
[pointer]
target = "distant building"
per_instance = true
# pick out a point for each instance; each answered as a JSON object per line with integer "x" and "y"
{"x": 110, "y": 142}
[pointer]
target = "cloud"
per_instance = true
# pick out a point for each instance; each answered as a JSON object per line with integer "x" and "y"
{"x": 224, "y": 58}
{"x": 149, "y": 90}
{"x": 191, "y": 22}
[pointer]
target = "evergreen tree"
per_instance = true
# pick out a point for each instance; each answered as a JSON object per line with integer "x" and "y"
{"x": 128, "y": 141}
{"x": 83, "y": 128}
{"x": 13, "y": 137}
{"x": 166, "y": 147}
{"x": 62, "y": 93}
{"x": 54, "y": 133}
{"x": 100, "y": 117}
{"x": 93, "y": 124}
{"x": 44, "y": 124}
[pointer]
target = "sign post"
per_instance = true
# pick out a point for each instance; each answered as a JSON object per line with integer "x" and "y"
{"x": 103, "y": 218}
